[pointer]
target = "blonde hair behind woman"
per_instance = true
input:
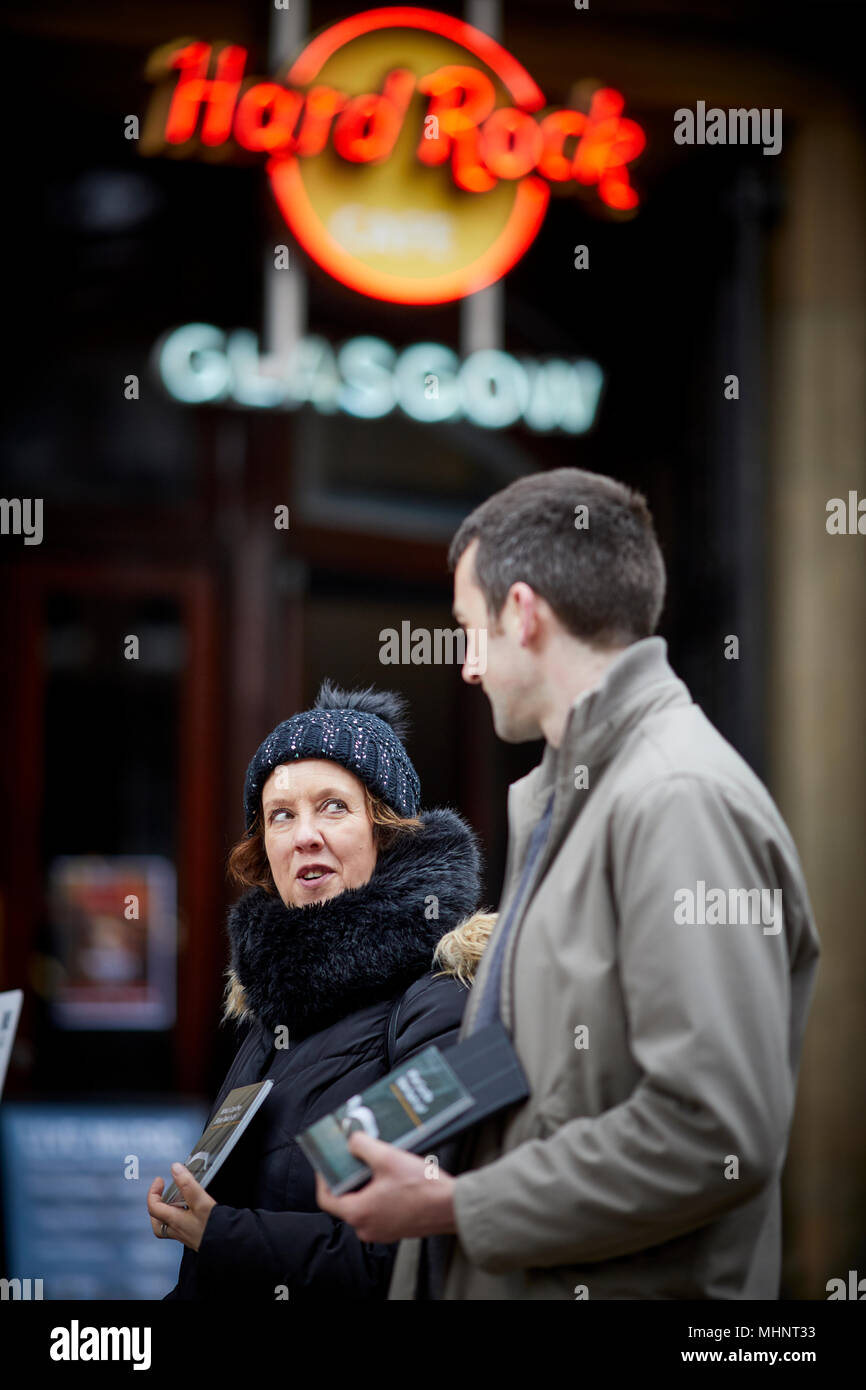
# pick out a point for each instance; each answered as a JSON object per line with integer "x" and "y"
{"x": 460, "y": 950}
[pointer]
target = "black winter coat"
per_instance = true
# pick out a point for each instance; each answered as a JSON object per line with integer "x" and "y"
{"x": 350, "y": 978}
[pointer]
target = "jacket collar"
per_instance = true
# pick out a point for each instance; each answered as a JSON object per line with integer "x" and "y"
{"x": 306, "y": 967}
{"x": 637, "y": 682}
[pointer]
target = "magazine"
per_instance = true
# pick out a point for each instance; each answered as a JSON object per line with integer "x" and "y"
{"x": 10, "y": 1008}
{"x": 220, "y": 1137}
{"x": 406, "y": 1106}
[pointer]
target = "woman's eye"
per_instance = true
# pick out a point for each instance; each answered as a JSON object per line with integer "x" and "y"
{"x": 276, "y": 816}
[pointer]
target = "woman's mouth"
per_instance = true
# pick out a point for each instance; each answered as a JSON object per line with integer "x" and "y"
{"x": 314, "y": 875}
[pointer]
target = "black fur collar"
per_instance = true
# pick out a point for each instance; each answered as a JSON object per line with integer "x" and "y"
{"x": 306, "y": 967}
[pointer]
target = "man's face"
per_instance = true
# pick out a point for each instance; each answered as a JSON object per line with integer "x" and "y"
{"x": 509, "y": 677}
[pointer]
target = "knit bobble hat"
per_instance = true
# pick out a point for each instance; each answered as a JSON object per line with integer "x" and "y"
{"x": 361, "y": 729}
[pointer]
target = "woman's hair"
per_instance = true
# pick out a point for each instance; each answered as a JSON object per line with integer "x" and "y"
{"x": 248, "y": 865}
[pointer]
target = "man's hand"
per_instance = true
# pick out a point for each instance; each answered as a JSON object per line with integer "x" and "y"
{"x": 407, "y": 1196}
{"x": 184, "y": 1225}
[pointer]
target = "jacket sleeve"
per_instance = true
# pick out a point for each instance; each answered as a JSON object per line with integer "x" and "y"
{"x": 708, "y": 1020}
{"x": 312, "y": 1252}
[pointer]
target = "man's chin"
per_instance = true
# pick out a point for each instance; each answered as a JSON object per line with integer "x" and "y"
{"x": 510, "y": 730}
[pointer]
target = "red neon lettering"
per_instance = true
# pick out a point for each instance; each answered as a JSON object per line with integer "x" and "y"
{"x": 461, "y": 124}
{"x": 194, "y": 88}
{"x": 608, "y": 142}
{"x": 462, "y": 98}
{"x": 322, "y": 106}
{"x": 466, "y": 168}
{"x": 555, "y": 130}
{"x": 511, "y": 143}
{"x": 367, "y": 129}
{"x": 282, "y": 109}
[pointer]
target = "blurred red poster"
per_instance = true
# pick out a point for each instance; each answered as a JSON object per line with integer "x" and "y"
{"x": 114, "y": 926}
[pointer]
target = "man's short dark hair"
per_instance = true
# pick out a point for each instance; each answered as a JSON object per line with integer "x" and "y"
{"x": 604, "y": 580}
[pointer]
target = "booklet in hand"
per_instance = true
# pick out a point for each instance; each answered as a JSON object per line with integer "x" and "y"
{"x": 429, "y": 1098}
{"x": 220, "y": 1137}
{"x": 10, "y": 1009}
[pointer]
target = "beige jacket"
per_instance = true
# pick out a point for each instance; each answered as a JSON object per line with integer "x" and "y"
{"x": 659, "y": 1022}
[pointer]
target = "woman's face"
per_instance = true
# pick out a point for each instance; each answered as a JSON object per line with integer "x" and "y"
{"x": 318, "y": 835}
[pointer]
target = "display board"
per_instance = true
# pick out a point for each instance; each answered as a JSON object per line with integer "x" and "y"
{"x": 75, "y": 1181}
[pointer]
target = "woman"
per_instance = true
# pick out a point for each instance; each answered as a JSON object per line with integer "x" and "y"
{"x": 350, "y": 891}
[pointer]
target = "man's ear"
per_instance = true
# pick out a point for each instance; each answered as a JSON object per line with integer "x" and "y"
{"x": 524, "y": 601}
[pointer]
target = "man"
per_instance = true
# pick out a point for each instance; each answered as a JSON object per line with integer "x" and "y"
{"x": 653, "y": 960}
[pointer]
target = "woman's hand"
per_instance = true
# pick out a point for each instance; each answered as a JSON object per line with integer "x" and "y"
{"x": 180, "y": 1224}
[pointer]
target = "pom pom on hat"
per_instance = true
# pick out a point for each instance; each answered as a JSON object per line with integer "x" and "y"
{"x": 391, "y": 707}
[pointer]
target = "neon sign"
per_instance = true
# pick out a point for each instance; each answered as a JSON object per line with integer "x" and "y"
{"x": 369, "y": 378}
{"x": 404, "y": 119}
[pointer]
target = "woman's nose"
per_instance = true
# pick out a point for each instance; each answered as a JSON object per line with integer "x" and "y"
{"x": 307, "y": 833}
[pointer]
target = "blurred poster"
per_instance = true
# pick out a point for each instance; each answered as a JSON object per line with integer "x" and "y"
{"x": 10, "y": 1008}
{"x": 114, "y": 924}
{"x": 74, "y": 1186}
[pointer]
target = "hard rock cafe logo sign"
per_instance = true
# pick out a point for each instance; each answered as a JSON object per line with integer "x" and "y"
{"x": 410, "y": 154}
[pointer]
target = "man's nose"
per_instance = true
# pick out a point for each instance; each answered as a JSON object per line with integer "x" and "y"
{"x": 475, "y": 654}
{"x": 472, "y": 667}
